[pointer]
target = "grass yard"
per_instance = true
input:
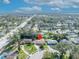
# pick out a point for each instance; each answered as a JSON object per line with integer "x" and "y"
{"x": 45, "y": 46}
{"x": 30, "y": 48}
{"x": 22, "y": 55}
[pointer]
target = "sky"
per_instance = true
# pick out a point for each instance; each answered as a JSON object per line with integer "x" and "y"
{"x": 39, "y": 6}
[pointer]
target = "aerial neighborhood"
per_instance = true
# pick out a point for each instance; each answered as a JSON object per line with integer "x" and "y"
{"x": 39, "y": 37}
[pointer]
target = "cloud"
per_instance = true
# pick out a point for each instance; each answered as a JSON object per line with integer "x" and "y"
{"x": 28, "y": 10}
{"x": 6, "y": 1}
{"x": 75, "y": 6}
{"x": 55, "y": 3}
{"x": 38, "y": 2}
{"x": 56, "y": 9}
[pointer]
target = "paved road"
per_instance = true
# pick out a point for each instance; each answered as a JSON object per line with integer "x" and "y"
{"x": 3, "y": 43}
{"x": 37, "y": 55}
{"x": 4, "y": 40}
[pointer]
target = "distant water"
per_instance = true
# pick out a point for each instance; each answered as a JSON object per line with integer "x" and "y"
{"x": 2, "y": 57}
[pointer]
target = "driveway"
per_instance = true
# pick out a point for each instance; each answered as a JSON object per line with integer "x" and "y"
{"x": 37, "y": 55}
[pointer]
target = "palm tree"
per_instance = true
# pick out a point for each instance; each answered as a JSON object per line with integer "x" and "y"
{"x": 16, "y": 38}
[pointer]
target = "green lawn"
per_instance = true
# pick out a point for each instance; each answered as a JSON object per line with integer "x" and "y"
{"x": 45, "y": 46}
{"x": 22, "y": 55}
{"x": 30, "y": 48}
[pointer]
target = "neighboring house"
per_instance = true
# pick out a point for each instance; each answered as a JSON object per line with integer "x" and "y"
{"x": 65, "y": 41}
{"x": 75, "y": 41}
{"x": 51, "y": 42}
{"x": 39, "y": 42}
{"x": 10, "y": 57}
{"x": 26, "y": 41}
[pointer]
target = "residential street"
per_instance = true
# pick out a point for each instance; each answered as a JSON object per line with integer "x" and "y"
{"x": 4, "y": 41}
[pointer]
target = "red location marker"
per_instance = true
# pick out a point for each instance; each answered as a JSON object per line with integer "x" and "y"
{"x": 40, "y": 36}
